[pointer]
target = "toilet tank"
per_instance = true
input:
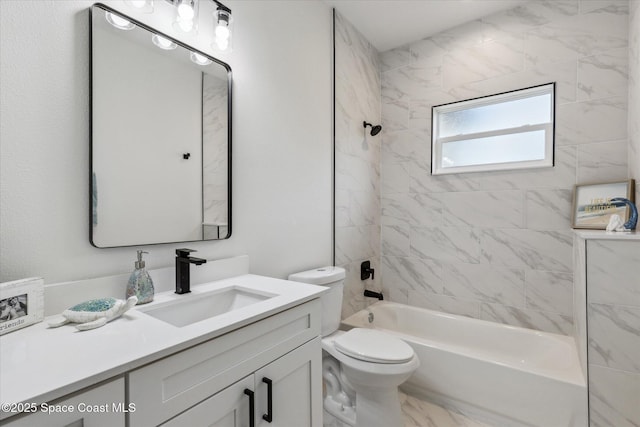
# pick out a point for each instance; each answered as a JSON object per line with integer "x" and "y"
{"x": 333, "y": 278}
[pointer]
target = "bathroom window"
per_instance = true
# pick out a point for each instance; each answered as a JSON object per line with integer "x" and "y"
{"x": 512, "y": 130}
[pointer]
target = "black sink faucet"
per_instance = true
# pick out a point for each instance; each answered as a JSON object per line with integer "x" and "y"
{"x": 183, "y": 283}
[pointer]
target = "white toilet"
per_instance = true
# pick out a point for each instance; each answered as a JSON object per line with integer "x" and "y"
{"x": 361, "y": 368}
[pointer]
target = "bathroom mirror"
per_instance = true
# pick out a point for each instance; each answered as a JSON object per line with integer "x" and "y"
{"x": 160, "y": 137}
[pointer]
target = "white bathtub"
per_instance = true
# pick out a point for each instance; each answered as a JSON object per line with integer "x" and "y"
{"x": 505, "y": 375}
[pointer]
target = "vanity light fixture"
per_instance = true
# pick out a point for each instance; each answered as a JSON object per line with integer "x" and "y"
{"x": 223, "y": 22}
{"x": 186, "y": 21}
{"x": 199, "y": 59}
{"x": 163, "y": 43}
{"x": 145, "y": 6}
{"x": 119, "y": 22}
{"x": 186, "y": 18}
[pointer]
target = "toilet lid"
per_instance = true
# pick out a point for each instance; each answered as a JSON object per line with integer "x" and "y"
{"x": 373, "y": 346}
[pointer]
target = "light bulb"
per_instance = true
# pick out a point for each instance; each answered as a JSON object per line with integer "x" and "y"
{"x": 118, "y": 22}
{"x": 163, "y": 43}
{"x": 186, "y": 16}
{"x": 144, "y": 6}
{"x": 222, "y": 31}
{"x": 222, "y": 44}
{"x": 185, "y": 10}
{"x": 199, "y": 59}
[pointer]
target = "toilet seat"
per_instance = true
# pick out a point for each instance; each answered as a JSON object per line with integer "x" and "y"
{"x": 373, "y": 346}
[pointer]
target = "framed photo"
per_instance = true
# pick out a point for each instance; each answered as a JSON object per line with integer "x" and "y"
{"x": 21, "y": 303}
{"x": 592, "y": 207}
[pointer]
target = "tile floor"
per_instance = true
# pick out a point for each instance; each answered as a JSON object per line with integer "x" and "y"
{"x": 420, "y": 413}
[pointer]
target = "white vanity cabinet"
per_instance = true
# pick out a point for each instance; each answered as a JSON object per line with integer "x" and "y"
{"x": 229, "y": 408}
{"x": 296, "y": 389}
{"x": 293, "y": 393}
{"x": 205, "y": 384}
{"x": 101, "y": 406}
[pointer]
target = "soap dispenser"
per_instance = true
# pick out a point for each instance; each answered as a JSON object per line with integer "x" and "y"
{"x": 140, "y": 283}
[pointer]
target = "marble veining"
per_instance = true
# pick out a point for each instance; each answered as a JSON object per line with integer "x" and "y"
{"x": 412, "y": 209}
{"x": 548, "y": 209}
{"x": 598, "y": 120}
{"x": 496, "y": 209}
{"x": 614, "y": 336}
{"x": 549, "y": 290}
{"x": 422, "y": 413}
{"x": 394, "y": 177}
{"x": 421, "y": 180}
{"x": 613, "y": 262}
{"x": 563, "y": 73}
{"x": 358, "y": 159}
{"x": 533, "y": 249}
{"x": 580, "y": 35}
{"x": 446, "y": 243}
{"x": 444, "y": 303}
{"x": 602, "y": 162}
{"x": 424, "y": 275}
{"x": 613, "y": 325}
{"x": 613, "y": 398}
{"x": 603, "y": 75}
{"x": 214, "y": 152}
{"x": 533, "y": 319}
{"x": 532, "y": 14}
{"x": 508, "y": 220}
{"x": 484, "y": 283}
{"x": 395, "y": 115}
{"x": 395, "y": 241}
{"x": 489, "y": 59}
{"x": 562, "y": 175}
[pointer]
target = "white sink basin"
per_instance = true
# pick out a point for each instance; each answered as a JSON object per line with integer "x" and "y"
{"x": 192, "y": 308}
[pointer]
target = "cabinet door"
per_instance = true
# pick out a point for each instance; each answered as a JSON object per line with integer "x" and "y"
{"x": 101, "y": 406}
{"x": 228, "y": 408}
{"x": 296, "y": 389}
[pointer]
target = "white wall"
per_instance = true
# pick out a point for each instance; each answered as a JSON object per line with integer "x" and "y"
{"x": 281, "y": 141}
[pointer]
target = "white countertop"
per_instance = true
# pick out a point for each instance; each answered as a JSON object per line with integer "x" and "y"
{"x": 607, "y": 235}
{"x": 39, "y": 364}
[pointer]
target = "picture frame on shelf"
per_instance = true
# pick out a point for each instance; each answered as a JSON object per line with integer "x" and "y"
{"x": 21, "y": 303}
{"x": 592, "y": 206}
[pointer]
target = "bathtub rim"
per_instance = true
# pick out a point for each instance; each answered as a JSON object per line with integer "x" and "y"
{"x": 573, "y": 375}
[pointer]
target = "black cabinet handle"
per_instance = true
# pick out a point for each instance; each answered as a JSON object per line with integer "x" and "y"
{"x": 268, "y": 417}
{"x": 252, "y": 407}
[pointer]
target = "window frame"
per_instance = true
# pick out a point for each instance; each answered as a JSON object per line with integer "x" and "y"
{"x": 549, "y": 128}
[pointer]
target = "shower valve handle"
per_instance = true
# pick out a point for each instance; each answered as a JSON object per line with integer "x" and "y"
{"x": 366, "y": 271}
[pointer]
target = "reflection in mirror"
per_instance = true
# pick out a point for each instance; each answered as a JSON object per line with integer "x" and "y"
{"x": 161, "y": 140}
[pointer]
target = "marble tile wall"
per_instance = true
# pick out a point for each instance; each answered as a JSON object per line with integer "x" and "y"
{"x": 634, "y": 94}
{"x": 498, "y": 245}
{"x": 580, "y": 300}
{"x": 214, "y": 153}
{"x": 613, "y": 322}
{"x": 357, "y": 172}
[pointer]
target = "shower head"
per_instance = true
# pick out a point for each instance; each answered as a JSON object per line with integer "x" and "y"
{"x": 374, "y": 129}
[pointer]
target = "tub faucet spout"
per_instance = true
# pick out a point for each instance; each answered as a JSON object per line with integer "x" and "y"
{"x": 183, "y": 260}
{"x": 368, "y": 293}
